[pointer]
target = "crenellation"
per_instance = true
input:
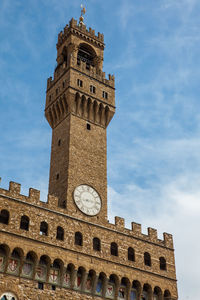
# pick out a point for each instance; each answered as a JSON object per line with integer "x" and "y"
{"x": 52, "y": 201}
{"x": 14, "y": 188}
{"x": 168, "y": 240}
{"x": 81, "y": 30}
{"x": 136, "y": 228}
{"x": 119, "y": 223}
{"x": 34, "y": 196}
{"x": 152, "y": 233}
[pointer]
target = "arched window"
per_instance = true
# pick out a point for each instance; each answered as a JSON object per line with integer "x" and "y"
{"x": 28, "y": 265}
{"x": 90, "y": 281}
{"x": 167, "y": 295}
{"x": 4, "y": 217}
{"x": 111, "y": 287}
{"x": 55, "y": 272}
{"x": 163, "y": 265}
{"x": 68, "y": 275}
{"x": 60, "y": 233}
{"x": 78, "y": 239}
{"x": 14, "y": 261}
{"x": 131, "y": 254}
{"x": 87, "y": 55}
{"x": 43, "y": 228}
{"x": 64, "y": 54}
{"x": 157, "y": 293}
{"x": 79, "y": 278}
{"x": 123, "y": 288}
{"x": 135, "y": 290}
{"x": 100, "y": 284}
{"x": 147, "y": 259}
{"x": 42, "y": 267}
{"x": 96, "y": 244}
{"x": 147, "y": 292}
{"x": 114, "y": 249}
{"x": 24, "y": 224}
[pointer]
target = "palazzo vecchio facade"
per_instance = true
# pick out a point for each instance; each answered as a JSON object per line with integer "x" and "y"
{"x": 66, "y": 248}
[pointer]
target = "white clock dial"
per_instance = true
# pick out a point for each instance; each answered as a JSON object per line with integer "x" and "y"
{"x": 87, "y": 200}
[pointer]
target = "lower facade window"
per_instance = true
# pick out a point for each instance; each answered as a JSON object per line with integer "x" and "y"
{"x": 40, "y": 285}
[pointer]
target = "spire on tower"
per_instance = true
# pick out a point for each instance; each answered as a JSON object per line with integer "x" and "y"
{"x": 83, "y": 11}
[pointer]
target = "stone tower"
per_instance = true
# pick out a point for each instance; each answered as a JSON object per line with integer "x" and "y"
{"x": 66, "y": 248}
{"x": 79, "y": 106}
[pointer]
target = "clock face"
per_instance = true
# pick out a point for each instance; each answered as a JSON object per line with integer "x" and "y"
{"x": 87, "y": 200}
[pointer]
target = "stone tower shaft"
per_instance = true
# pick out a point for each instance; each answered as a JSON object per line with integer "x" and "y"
{"x": 80, "y": 103}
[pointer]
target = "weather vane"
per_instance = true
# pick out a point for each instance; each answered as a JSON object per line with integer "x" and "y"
{"x": 83, "y": 11}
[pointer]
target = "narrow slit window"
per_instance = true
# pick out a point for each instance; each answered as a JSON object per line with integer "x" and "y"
{"x": 92, "y": 89}
{"x": 88, "y": 126}
{"x": 79, "y": 82}
{"x": 40, "y": 285}
{"x": 105, "y": 95}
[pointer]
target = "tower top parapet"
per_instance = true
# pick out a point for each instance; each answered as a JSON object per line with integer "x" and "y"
{"x": 80, "y": 30}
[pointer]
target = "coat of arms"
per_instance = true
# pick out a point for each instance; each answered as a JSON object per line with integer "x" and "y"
{"x": 99, "y": 287}
{"x": 67, "y": 279}
{"x": 40, "y": 272}
{"x": 88, "y": 284}
{"x": 78, "y": 281}
{"x": 12, "y": 265}
{"x": 27, "y": 269}
{"x": 54, "y": 275}
{"x": 110, "y": 290}
{"x": 133, "y": 295}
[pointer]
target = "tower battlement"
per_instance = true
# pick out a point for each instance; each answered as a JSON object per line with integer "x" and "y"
{"x": 33, "y": 198}
{"x": 82, "y": 32}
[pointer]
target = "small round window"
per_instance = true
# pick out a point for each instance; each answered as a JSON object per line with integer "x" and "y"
{"x": 8, "y": 296}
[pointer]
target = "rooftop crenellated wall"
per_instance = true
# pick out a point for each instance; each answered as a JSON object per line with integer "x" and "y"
{"x": 82, "y": 32}
{"x": 14, "y": 192}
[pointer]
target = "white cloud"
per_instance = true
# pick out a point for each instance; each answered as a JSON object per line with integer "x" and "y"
{"x": 169, "y": 203}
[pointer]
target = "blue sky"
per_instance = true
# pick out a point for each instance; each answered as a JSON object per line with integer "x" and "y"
{"x": 152, "y": 47}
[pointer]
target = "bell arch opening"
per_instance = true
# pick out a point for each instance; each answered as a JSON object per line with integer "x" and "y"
{"x": 86, "y": 54}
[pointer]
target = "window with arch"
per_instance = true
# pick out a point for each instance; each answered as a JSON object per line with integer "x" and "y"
{"x": 100, "y": 284}
{"x": 24, "y": 223}
{"x": 78, "y": 239}
{"x": 131, "y": 254}
{"x": 43, "y": 228}
{"x": 163, "y": 265}
{"x": 55, "y": 272}
{"x": 86, "y": 54}
{"x": 111, "y": 287}
{"x": 4, "y": 217}
{"x": 96, "y": 244}
{"x": 147, "y": 259}
{"x": 8, "y": 296}
{"x": 60, "y": 233}
{"x": 167, "y": 295}
{"x": 114, "y": 249}
{"x": 28, "y": 264}
{"x": 42, "y": 268}
{"x": 157, "y": 293}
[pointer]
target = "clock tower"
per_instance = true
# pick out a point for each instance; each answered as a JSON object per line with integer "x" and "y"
{"x": 80, "y": 103}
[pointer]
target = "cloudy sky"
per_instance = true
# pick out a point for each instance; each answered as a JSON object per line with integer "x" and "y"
{"x": 152, "y": 47}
